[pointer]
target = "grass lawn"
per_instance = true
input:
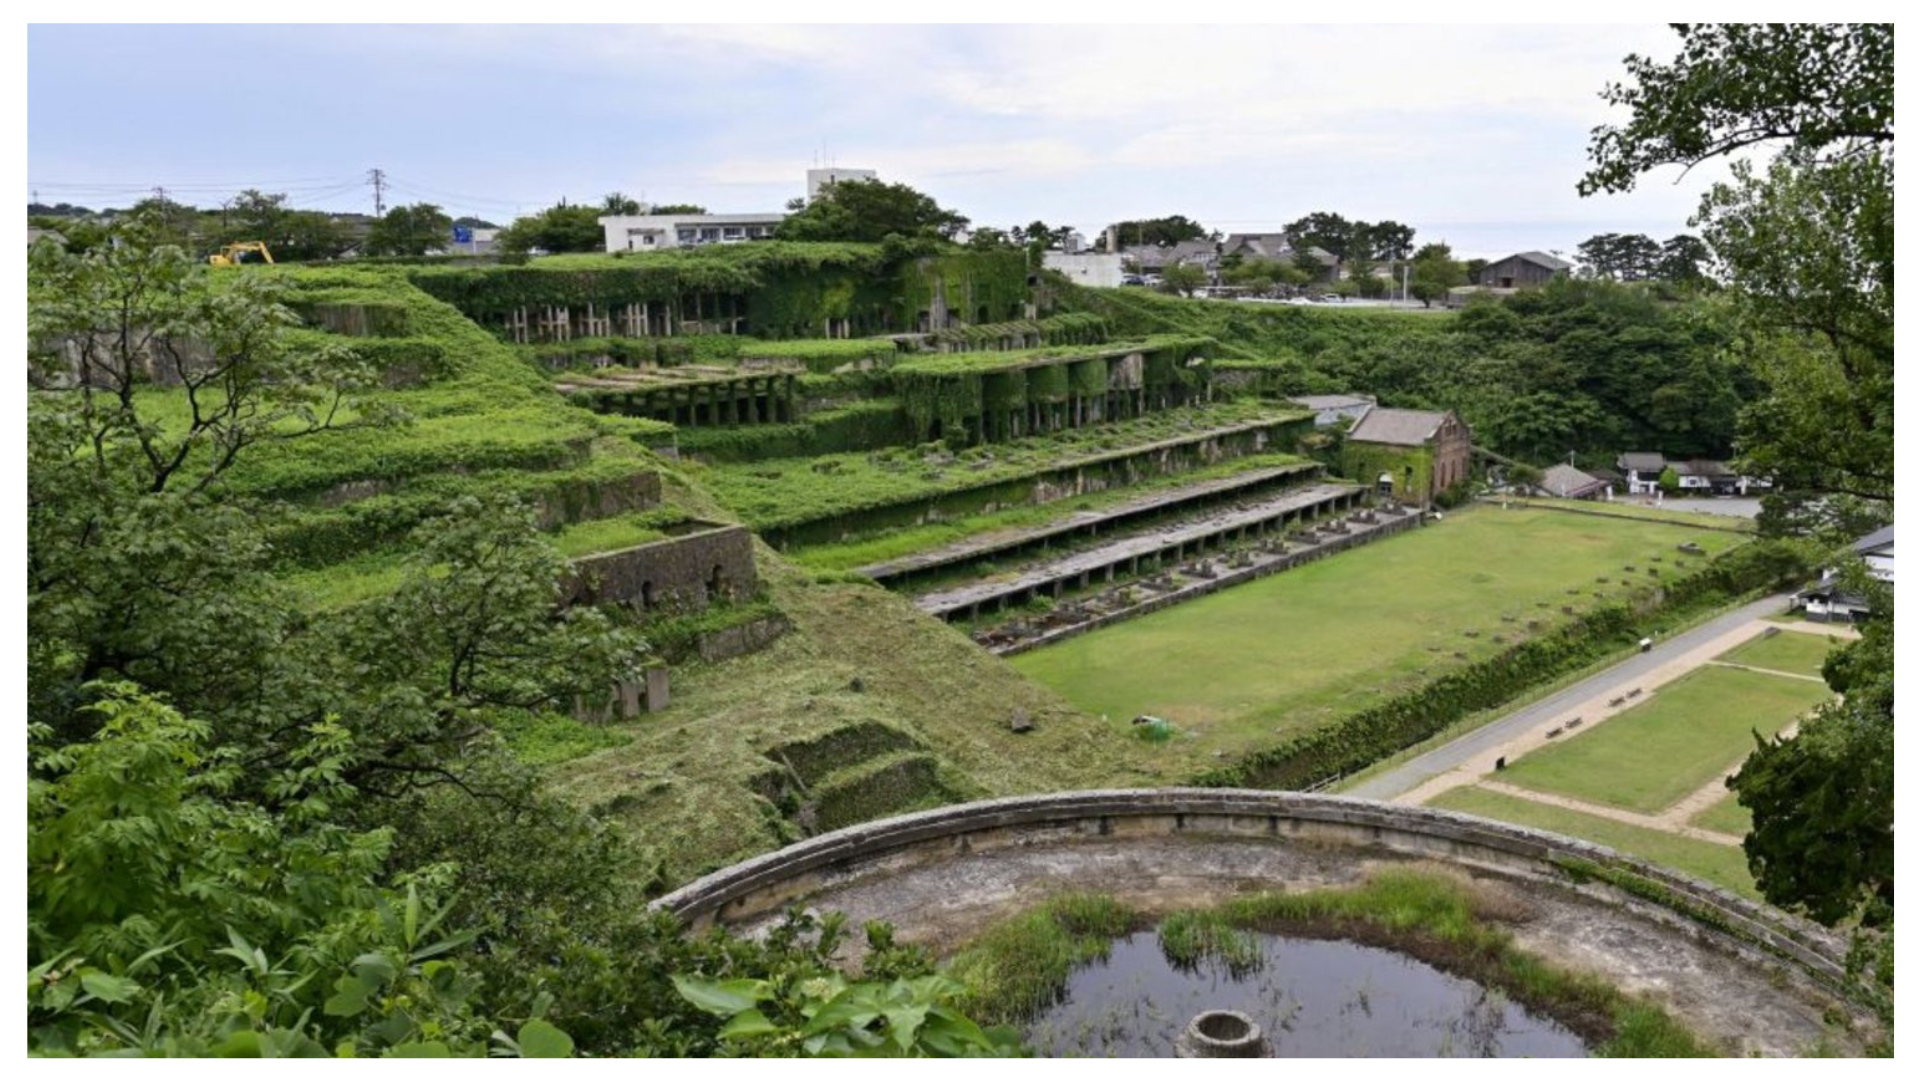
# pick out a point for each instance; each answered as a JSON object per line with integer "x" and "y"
{"x": 1717, "y": 863}
{"x": 1289, "y": 652}
{"x": 1691, "y": 730}
{"x": 1726, "y": 816}
{"x": 1787, "y": 650}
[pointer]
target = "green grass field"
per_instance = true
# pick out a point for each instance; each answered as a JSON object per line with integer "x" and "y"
{"x": 1717, "y": 863}
{"x": 1788, "y": 650}
{"x": 1292, "y": 651}
{"x": 1690, "y": 731}
{"x": 1726, "y": 816}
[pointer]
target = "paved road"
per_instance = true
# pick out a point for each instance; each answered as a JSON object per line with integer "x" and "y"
{"x": 1412, "y": 774}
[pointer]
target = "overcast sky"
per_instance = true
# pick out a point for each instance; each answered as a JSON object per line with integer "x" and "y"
{"x": 1471, "y": 134}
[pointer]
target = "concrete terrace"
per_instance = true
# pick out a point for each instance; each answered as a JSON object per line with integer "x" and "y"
{"x": 1175, "y": 542}
{"x": 1083, "y": 522}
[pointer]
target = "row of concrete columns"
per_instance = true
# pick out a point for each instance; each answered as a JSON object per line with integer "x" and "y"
{"x": 721, "y": 313}
{"x": 1176, "y": 553}
{"x": 760, "y": 399}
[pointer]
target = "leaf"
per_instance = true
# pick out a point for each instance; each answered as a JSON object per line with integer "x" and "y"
{"x": 107, "y": 987}
{"x": 420, "y": 1050}
{"x": 747, "y": 1025}
{"x": 540, "y": 1039}
{"x": 349, "y": 998}
{"x": 902, "y": 1023}
{"x": 721, "y": 998}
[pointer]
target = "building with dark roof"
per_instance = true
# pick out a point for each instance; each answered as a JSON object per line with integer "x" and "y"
{"x": 1523, "y": 271}
{"x": 1410, "y": 454}
{"x": 1830, "y": 600}
{"x": 1567, "y": 482}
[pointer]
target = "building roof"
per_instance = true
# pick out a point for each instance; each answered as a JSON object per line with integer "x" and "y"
{"x": 1399, "y": 427}
{"x": 1701, "y": 467}
{"x": 1538, "y": 258}
{"x": 1570, "y": 483}
{"x": 635, "y": 220}
{"x": 1331, "y": 401}
{"x": 1642, "y": 463}
{"x": 1878, "y": 538}
{"x": 1275, "y": 246}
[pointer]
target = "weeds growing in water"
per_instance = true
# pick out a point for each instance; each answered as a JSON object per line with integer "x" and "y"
{"x": 1191, "y": 938}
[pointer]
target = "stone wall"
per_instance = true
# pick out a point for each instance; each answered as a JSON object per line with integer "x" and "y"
{"x": 808, "y": 873}
{"x": 679, "y": 574}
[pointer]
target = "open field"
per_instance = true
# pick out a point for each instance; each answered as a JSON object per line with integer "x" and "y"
{"x": 1717, "y": 863}
{"x": 1679, "y": 512}
{"x": 1798, "y": 653}
{"x": 1691, "y": 730}
{"x": 1287, "y": 653}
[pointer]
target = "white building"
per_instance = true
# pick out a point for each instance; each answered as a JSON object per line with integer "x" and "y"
{"x": 1098, "y": 270}
{"x": 819, "y": 178}
{"x": 656, "y": 232}
{"x": 1829, "y": 601}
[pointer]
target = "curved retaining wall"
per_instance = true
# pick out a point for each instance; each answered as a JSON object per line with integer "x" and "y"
{"x": 796, "y": 873}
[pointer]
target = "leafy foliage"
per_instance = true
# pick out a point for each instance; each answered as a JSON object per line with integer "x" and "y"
{"x": 409, "y": 230}
{"x": 556, "y": 229}
{"x": 869, "y": 211}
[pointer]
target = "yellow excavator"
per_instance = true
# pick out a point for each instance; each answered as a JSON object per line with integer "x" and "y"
{"x": 246, "y": 251}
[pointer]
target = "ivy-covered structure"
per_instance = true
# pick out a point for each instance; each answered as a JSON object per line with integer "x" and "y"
{"x": 992, "y": 397}
{"x": 1409, "y": 454}
{"x": 766, "y": 289}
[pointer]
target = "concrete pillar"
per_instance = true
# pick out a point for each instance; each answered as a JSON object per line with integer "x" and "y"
{"x": 656, "y": 689}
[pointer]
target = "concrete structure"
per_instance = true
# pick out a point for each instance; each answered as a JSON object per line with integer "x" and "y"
{"x": 700, "y": 562}
{"x": 658, "y": 232}
{"x": 693, "y": 395}
{"x": 1728, "y": 967}
{"x": 1522, "y": 271}
{"x": 1193, "y": 536}
{"x": 1101, "y": 271}
{"x": 1088, "y": 523}
{"x": 819, "y": 178}
{"x": 1409, "y": 453}
{"x": 1330, "y": 409}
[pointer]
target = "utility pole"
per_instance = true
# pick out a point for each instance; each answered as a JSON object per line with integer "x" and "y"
{"x": 379, "y": 181}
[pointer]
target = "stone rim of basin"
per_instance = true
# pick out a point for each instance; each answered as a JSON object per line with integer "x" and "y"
{"x": 1222, "y": 1033}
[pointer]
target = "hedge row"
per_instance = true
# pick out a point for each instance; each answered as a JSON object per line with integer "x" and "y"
{"x": 1359, "y": 740}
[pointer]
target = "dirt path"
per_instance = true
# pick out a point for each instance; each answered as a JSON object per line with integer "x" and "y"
{"x": 1670, "y": 821}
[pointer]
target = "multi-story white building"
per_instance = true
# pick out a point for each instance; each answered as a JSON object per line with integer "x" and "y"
{"x": 655, "y": 232}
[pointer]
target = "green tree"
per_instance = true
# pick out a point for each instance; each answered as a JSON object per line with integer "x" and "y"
{"x": 1822, "y": 799}
{"x": 1386, "y": 241}
{"x": 1160, "y": 231}
{"x": 1683, "y": 260}
{"x": 1329, "y": 232}
{"x": 410, "y": 230}
{"x": 869, "y": 211}
{"x": 1182, "y": 279}
{"x": 617, "y": 203}
{"x": 1435, "y": 271}
{"x": 1669, "y": 481}
{"x": 556, "y": 229}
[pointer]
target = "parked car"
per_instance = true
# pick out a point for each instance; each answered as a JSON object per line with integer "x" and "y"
{"x": 1132, "y": 279}
{"x": 1298, "y": 300}
{"x": 1330, "y": 298}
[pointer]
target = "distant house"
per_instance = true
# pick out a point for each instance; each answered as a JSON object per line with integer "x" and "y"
{"x": 1567, "y": 482}
{"x": 1523, "y": 271}
{"x": 1409, "y": 454}
{"x": 1277, "y": 247}
{"x": 1642, "y": 471}
{"x": 1829, "y": 601}
{"x": 1330, "y": 409}
{"x": 1155, "y": 258}
{"x": 1702, "y": 477}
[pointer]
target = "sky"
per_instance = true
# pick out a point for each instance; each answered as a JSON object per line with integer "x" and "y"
{"x": 1474, "y": 135}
